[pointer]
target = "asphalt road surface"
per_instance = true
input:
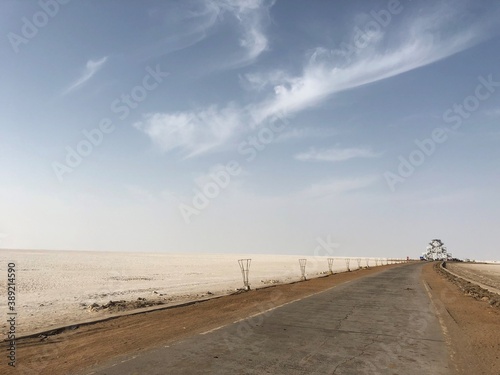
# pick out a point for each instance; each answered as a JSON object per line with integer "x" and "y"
{"x": 380, "y": 324}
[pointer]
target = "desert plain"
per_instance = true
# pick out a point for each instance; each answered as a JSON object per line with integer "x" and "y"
{"x": 60, "y": 288}
{"x": 57, "y": 288}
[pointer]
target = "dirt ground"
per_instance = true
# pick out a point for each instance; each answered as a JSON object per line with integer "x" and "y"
{"x": 472, "y": 327}
{"x": 471, "y": 320}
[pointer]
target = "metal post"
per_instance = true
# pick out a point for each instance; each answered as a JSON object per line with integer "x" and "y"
{"x": 302, "y": 263}
{"x": 245, "y": 268}
{"x": 330, "y": 265}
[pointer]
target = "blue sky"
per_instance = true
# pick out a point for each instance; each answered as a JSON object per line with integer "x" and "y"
{"x": 250, "y": 126}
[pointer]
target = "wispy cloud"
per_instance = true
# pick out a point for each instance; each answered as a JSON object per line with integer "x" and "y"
{"x": 189, "y": 22}
{"x": 91, "y": 68}
{"x": 193, "y": 132}
{"x": 425, "y": 40}
{"x": 259, "y": 81}
{"x": 336, "y": 154}
{"x": 322, "y": 76}
{"x": 304, "y": 132}
{"x": 340, "y": 186}
{"x": 251, "y": 14}
{"x": 183, "y": 25}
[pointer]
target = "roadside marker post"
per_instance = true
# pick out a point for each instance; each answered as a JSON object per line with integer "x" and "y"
{"x": 330, "y": 265}
{"x": 245, "y": 268}
{"x": 302, "y": 263}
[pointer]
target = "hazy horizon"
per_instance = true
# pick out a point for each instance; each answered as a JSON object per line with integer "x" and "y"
{"x": 311, "y": 255}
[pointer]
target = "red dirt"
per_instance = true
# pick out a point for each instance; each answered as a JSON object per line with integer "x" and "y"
{"x": 472, "y": 325}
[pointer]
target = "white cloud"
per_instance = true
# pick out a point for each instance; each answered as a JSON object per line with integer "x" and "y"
{"x": 189, "y": 22}
{"x": 325, "y": 73}
{"x": 336, "y": 154}
{"x": 426, "y": 40}
{"x": 183, "y": 25}
{"x": 258, "y": 81}
{"x": 192, "y": 132}
{"x": 337, "y": 187}
{"x": 198, "y": 131}
{"x": 301, "y": 133}
{"x": 251, "y": 15}
{"x": 91, "y": 68}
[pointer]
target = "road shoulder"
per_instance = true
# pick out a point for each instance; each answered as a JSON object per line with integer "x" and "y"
{"x": 471, "y": 326}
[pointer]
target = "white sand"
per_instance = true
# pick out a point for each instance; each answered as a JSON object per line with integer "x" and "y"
{"x": 492, "y": 269}
{"x": 54, "y": 286}
{"x": 488, "y": 275}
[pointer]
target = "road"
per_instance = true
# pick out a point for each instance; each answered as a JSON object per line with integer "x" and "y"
{"x": 379, "y": 324}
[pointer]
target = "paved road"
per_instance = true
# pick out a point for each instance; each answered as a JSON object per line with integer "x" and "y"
{"x": 380, "y": 324}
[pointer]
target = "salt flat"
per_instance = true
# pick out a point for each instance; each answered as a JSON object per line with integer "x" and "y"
{"x": 56, "y": 287}
{"x": 487, "y": 274}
